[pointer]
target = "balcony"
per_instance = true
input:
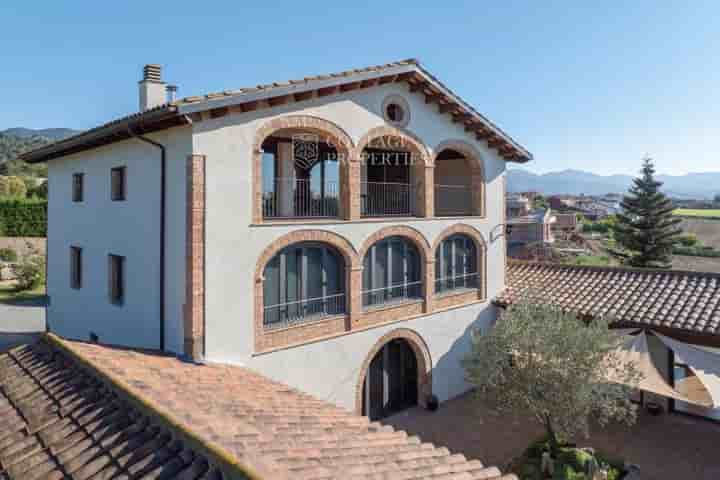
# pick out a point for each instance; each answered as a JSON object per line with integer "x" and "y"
{"x": 401, "y": 293}
{"x": 293, "y": 313}
{"x": 294, "y": 198}
{"x": 387, "y": 199}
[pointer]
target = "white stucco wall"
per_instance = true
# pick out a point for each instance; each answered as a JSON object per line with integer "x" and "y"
{"x": 130, "y": 228}
{"x": 328, "y": 369}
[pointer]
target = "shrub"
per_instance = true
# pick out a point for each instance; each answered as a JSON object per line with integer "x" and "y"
{"x": 12, "y": 187}
{"x": 697, "y": 251}
{"x": 24, "y": 218}
{"x": 30, "y": 272}
{"x": 688, "y": 240}
{"x": 8, "y": 255}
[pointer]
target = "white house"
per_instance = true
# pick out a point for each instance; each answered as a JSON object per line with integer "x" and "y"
{"x": 342, "y": 233}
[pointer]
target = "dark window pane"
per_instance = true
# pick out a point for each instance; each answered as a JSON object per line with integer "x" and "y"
{"x": 75, "y": 267}
{"x": 77, "y": 187}
{"x": 117, "y": 183}
{"x": 116, "y": 279}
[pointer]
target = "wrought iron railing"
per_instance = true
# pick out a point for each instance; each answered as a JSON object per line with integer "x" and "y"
{"x": 392, "y": 294}
{"x": 453, "y": 200}
{"x": 381, "y": 199}
{"x": 292, "y": 198}
{"x": 457, "y": 282}
{"x": 293, "y": 313}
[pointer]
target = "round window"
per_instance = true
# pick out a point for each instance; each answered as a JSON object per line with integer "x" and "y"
{"x": 396, "y": 110}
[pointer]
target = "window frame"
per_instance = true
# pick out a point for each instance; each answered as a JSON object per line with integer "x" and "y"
{"x": 412, "y": 275}
{"x": 116, "y": 279}
{"x": 76, "y": 264}
{"x": 78, "y": 187}
{"x": 472, "y": 264}
{"x": 121, "y": 194}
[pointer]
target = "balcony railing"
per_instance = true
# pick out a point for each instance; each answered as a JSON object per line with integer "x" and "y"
{"x": 383, "y": 199}
{"x": 457, "y": 282}
{"x": 293, "y": 313}
{"x": 453, "y": 200}
{"x": 393, "y": 294}
{"x": 292, "y": 198}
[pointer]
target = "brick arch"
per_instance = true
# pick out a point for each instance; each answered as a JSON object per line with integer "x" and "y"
{"x": 480, "y": 248}
{"x": 326, "y": 129}
{"x": 410, "y": 233}
{"x": 476, "y": 165}
{"x": 402, "y": 138}
{"x": 264, "y": 341}
{"x": 422, "y": 356}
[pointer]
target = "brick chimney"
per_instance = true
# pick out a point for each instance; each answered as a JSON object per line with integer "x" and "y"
{"x": 152, "y": 88}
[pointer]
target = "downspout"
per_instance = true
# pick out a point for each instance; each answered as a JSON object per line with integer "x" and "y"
{"x": 162, "y": 231}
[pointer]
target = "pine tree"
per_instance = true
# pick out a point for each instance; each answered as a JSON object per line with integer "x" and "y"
{"x": 646, "y": 230}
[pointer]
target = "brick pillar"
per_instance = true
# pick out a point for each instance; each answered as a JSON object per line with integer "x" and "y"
{"x": 355, "y": 289}
{"x": 351, "y": 190}
{"x": 429, "y": 286}
{"x": 194, "y": 312}
{"x": 425, "y": 190}
{"x": 478, "y": 193}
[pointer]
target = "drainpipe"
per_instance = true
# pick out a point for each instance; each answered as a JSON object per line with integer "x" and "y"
{"x": 162, "y": 231}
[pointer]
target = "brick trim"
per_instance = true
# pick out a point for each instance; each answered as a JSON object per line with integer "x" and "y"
{"x": 480, "y": 248}
{"x": 306, "y": 123}
{"x": 422, "y": 355}
{"x": 476, "y": 165}
{"x": 194, "y": 311}
{"x": 422, "y": 167}
{"x": 272, "y": 339}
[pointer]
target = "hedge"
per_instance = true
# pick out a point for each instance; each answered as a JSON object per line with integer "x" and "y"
{"x": 23, "y": 218}
{"x": 697, "y": 251}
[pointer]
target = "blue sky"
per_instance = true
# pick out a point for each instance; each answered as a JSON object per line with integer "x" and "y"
{"x": 590, "y": 87}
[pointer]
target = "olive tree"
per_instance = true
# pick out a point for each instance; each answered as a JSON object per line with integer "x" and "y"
{"x": 540, "y": 361}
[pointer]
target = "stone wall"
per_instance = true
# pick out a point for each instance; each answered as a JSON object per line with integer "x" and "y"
{"x": 24, "y": 245}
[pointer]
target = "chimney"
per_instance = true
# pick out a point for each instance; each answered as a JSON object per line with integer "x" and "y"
{"x": 152, "y": 88}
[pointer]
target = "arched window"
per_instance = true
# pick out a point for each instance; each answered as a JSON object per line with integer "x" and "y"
{"x": 391, "y": 272}
{"x": 456, "y": 264}
{"x": 305, "y": 281}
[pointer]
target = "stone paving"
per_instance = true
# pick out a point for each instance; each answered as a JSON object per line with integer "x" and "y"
{"x": 666, "y": 447}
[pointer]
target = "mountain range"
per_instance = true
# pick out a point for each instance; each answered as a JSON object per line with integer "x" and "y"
{"x": 51, "y": 133}
{"x": 693, "y": 185}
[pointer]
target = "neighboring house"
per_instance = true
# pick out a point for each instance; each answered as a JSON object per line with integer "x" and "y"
{"x": 565, "y": 223}
{"x": 517, "y": 205}
{"x": 533, "y": 229}
{"x": 341, "y": 234}
{"x": 680, "y": 309}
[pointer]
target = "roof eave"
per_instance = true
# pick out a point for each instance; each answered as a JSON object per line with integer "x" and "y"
{"x": 164, "y": 117}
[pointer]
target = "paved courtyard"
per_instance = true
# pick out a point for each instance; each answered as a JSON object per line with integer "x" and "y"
{"x": 665, "y": 447}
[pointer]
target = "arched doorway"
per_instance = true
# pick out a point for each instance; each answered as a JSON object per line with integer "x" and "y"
{"x": 391, "y": 381}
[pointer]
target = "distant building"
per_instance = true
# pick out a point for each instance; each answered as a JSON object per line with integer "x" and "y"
{"x": 534, "y": 228}
{"x": 565, "y": 223}
{"x": 517, "y": 206}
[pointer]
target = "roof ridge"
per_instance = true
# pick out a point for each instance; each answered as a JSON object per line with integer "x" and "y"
{"x": 612, "y": 268}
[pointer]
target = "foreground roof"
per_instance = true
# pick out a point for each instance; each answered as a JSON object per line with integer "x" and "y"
{"x": 271, "y": 429}
{"x": 676, "y": 300}
{"x": 58, "y": 421}
{"x": 186, "y": 109}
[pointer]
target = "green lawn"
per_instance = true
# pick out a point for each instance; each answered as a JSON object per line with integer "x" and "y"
{"x": 9, "y": 295}
{"x": 590, "y": 260}
{"x": 689, "y": 212}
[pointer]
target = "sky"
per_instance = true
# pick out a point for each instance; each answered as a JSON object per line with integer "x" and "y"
{"x": 583, "y": 86}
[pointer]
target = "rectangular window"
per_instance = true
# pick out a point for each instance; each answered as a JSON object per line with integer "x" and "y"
{"x": 116, "y": 279}
{"x": 76, "y": 267}
{"x": 77, "y": 187}
{"x": 117, "y": 184}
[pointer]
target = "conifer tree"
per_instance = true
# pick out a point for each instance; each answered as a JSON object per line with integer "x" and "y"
{"x": 646, "y": 230}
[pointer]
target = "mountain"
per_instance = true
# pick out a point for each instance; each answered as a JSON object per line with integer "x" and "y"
{"x": 51, "y": 133}
{"x": 574, "y": 182}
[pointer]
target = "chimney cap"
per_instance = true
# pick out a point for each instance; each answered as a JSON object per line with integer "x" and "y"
{"x": 152, "y": 72}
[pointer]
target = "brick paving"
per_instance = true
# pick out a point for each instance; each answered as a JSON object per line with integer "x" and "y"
{"x": 666, "y": 447}
{"x": 272, "y": 428}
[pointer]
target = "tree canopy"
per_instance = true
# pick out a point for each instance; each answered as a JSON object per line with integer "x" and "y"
{"x": 646, "y": 229}
{"x": 540, "y": 361}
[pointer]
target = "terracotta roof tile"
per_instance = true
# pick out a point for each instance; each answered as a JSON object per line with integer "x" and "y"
{"x": 272, "y": 427}
{"x": 676, "y": 299}
{"x": 58, "y": 422}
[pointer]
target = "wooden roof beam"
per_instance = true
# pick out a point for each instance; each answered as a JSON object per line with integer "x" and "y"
{"x": 417, "y": 86}
{"x": 447, "y": 107}
{"x": 275, "y": 101}
{"x": 387, "y": 79}
{"x": 435, "y": 97}
{"x": 461, "y": 117}
{"x": 350, "y": 86}
{"x": 369, "y": 83}
{"x": 494, "y": 141}
{"x": 300, "y": 96}
{"x": 324, "y": 92}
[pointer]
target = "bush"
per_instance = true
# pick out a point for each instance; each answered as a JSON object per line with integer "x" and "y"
{"x": 8, "y": 255}
{"x": 24, "y": 218}
{"x": 12, "y": 187}
{"x": 30, "y": 272}
{"x": 697, "y": 251}
{"x": 689, "y": 240}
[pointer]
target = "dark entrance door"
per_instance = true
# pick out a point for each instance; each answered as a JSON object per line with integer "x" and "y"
{"x": 391, "y": 381}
